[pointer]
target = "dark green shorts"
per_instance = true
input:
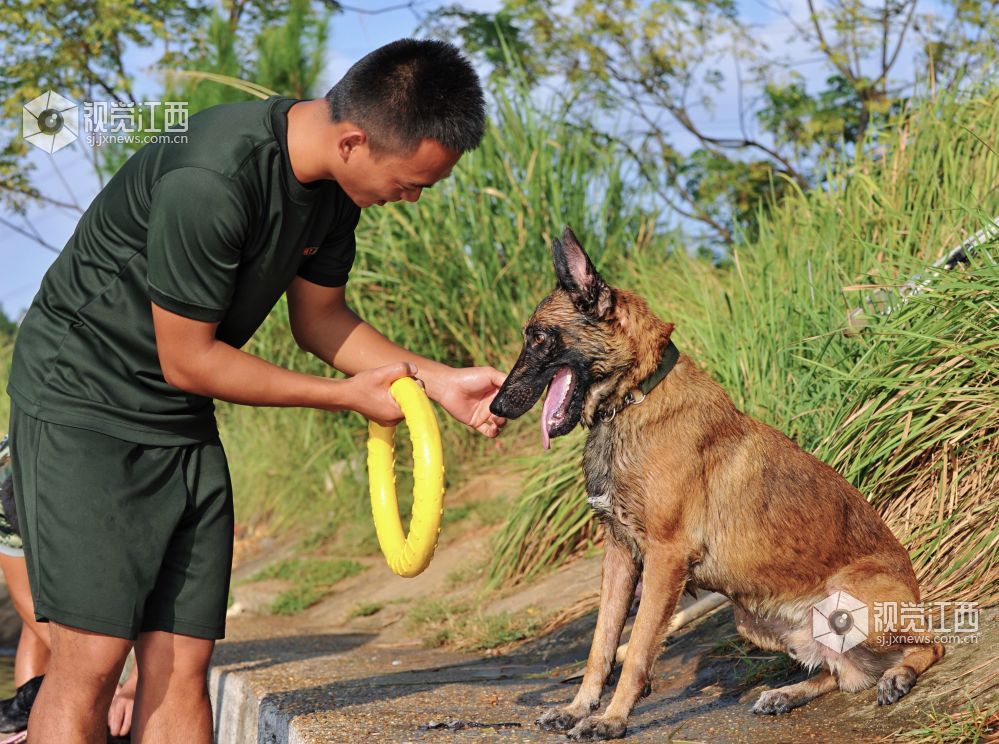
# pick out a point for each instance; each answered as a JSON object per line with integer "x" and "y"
{"x": 123, "y": 538}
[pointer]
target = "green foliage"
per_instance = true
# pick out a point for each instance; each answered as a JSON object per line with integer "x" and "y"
{"x": 656, "y": 68}
{"x": 972, "y": 724}
{"x": 79, "y": 49}
{"x": 313, "y": 578}
{"x": 283, "y": 56}
{"x": 494, "y": 36}
{"x": 446, "y": 622}
{"x": 366, "y": 609}
{"x": 8, "y": 328}
{"x": 290, "y": 56}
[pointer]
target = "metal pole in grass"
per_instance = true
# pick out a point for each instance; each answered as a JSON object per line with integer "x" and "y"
{"x": 880, "y": 300}
{"x": 960, "y": 254}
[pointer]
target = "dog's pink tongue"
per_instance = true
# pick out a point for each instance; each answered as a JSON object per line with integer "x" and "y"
{"x": 556, "y": 393}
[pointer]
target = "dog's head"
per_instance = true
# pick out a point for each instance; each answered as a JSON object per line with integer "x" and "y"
{"x": 580, "y": 343}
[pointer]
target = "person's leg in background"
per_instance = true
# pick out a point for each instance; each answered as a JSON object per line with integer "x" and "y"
{"x": 32, "y": 657}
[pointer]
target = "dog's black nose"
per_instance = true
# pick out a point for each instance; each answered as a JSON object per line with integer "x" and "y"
{"x": 498, "y": 406}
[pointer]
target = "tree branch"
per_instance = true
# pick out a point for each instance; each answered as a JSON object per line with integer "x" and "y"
{"x": 28, "y": 234}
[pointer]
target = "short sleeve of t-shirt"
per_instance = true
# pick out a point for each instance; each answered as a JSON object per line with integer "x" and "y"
{"x": 197, "y": 226}
{"x": 331, "y": 264}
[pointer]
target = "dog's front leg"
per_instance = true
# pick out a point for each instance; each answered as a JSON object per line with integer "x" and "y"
{"x": 663, "y": 579}
{"x": 617, "y": 587}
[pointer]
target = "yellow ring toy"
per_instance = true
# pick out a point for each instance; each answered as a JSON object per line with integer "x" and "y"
{"x": 408, "y": 555}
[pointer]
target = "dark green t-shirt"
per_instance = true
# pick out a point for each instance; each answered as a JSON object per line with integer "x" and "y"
{"x": 213, "y": 229}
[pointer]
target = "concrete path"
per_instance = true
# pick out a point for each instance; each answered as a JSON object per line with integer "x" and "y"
{"x": 310, "y": 681}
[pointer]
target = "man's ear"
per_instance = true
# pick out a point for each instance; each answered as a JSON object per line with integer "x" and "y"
{"x": 589, "y": 293}
{"x": 349, "y": 142}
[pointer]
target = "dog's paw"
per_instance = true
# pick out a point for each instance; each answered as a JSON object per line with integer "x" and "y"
{"x": 774, "y": 703}
{"x": 558, "y": 719}
{"x": 894, "y": 683}
{"x": 599, "y": 727}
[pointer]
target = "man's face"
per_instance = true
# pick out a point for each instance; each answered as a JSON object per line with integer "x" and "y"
{"x": 388, "y": 177}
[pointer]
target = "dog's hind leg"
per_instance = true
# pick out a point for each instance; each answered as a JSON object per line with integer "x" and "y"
{"x": 617, "y": 586}
{"x": 888, "y": 582}
{"x": 899, "y": 679}
{"x": 663, "y": 577}
{"x": 783, "y": 699}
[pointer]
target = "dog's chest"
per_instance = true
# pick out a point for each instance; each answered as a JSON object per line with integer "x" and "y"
{"x": 605, "y": 459}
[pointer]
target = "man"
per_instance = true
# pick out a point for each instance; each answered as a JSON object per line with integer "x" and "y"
{"x": 121, "y": 482}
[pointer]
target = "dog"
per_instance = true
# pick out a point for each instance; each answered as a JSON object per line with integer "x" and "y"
{"x": 695, "y": 494}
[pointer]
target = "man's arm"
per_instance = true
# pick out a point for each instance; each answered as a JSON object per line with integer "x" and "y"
{"x": 324, "y": 325}
{"x": 194, "y": 360}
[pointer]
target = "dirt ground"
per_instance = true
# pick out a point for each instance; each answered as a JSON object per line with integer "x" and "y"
{"x": 322, "y": 676}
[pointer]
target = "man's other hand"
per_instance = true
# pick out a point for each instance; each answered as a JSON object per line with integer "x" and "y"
{"x": 466, "y": 393}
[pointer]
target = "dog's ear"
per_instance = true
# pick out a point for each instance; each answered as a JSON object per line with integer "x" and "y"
{"x": 589, "y": 293}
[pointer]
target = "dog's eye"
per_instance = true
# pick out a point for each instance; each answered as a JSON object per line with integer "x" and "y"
{"x": 538, "y": 338}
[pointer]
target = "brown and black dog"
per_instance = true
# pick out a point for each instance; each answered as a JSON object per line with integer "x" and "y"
{"x": 695, "y": 494}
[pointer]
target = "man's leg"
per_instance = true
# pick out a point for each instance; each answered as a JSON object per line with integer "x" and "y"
{"x": 72, "y": 705}
{"x": 172, "y": 701}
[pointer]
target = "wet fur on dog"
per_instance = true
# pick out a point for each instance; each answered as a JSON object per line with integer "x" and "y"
{"x": 695, "y": 494}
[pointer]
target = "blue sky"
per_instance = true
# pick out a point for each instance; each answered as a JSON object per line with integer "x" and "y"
{"x": 68, "y": 176}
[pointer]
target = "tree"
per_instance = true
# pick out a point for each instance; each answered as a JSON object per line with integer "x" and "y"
{"x": 80, "y": 49}
{"x": 651, "y": 69}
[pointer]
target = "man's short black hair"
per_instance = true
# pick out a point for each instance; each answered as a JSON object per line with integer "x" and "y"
{"x": 411, "y": 90}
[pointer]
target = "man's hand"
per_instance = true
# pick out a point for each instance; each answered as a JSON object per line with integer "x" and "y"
{"x": 466, "y": 393}
{"x": 369, "y": 392}
{"x": 122, "y": 705}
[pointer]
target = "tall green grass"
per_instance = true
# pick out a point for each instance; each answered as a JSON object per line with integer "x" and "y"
{"x": 772, "y": 326}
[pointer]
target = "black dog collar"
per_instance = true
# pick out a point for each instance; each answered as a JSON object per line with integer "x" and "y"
{"x": 667, "y": 361}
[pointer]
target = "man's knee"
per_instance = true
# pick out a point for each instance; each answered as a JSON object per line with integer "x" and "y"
{"x": 87, "y": 659}
{"x": 181, "y": 659}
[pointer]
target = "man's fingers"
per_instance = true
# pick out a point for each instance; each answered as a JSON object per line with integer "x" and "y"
{"x": 402, "y": 369}
{"x": 489, "y": 428}
{"x": 115, "y": 717}
{"x": 496, "y": 377}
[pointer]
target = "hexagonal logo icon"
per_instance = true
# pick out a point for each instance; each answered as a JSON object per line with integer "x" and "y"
{"x": 51, "y": 121}
{"x": 839, "y": 621}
